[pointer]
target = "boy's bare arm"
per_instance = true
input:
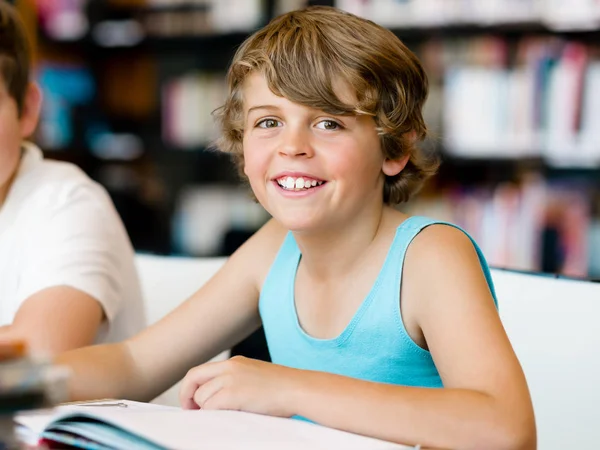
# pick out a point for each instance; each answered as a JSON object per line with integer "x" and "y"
{"x": 432, "y": 418}
{"x": 485, "y": 402}
{"x": 55, "y": 320}
{"x": 220, "y": 314}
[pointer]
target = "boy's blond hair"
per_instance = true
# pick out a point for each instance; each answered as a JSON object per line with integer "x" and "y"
{"x": 305, "y": 55}
{"x": 14, "y": 53}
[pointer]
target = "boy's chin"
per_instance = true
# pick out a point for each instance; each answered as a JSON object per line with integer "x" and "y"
{"x": 300, "y": 224}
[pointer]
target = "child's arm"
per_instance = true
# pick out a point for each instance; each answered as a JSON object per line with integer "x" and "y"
{"x": 71, "y": 270}
{"x": 221, "y": 313}
{"x": 485, "y": 402}
{"x": 54, "y": 320}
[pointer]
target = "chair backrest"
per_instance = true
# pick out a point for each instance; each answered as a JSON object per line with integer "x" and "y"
{"x": 166, "y": 283}
{"x": 553, "y": 326}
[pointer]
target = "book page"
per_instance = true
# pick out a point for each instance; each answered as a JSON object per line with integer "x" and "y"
{"x": 32, "y": 423}
{"x": 185, "y": 429}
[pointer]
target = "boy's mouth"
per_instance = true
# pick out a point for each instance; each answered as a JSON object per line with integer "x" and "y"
{"x": 298, "y": 183}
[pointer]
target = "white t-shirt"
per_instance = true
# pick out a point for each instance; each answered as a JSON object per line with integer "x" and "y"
{"x": 58, "y": 227}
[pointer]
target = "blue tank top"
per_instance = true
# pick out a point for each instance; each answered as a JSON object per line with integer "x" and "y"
{"x": 374, "y": 346}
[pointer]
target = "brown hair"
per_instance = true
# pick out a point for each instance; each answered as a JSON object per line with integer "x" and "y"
{"x": 14, "y": 53}
{"x": 305, "y": 54}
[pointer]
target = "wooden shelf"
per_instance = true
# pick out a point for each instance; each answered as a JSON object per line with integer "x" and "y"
{"x": 508, "y": 30}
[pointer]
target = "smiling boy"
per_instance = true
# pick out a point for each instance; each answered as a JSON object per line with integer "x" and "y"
{"x": 378, "y": 323}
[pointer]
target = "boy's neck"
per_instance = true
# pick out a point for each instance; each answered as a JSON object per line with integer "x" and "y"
{"x": 347, "y": 247}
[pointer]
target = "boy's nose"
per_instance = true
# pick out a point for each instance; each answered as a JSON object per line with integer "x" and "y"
{"x": 296, "y": 143}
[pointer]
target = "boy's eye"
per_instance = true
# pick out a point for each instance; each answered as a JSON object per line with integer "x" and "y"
{"x": 268, "y": 123}
{"x": 328, "y": 125}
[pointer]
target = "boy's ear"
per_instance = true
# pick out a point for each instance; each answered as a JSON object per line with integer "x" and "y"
{"x": 30, "y": 112}
{"x": 392, "y": 167}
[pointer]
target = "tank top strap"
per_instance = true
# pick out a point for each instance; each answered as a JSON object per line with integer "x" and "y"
{"x": 279, "y": 283}
{"x": 405, "y": 234}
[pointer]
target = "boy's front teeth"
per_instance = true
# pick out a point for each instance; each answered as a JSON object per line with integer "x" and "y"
{"x": 298, "y": 183}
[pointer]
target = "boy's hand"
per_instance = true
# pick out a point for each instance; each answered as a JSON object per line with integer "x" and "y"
{"x": 240, "y": 384}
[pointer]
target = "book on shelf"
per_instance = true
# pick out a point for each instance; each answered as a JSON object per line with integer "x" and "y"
{"x": 127, "y": 425}
{"x": 188, "y": 103}
{"x": 556, "y": 14}
{"x": 544, "y": 104}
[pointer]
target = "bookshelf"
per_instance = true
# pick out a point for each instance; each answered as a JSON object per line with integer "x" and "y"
{"x": 156, "y": 70}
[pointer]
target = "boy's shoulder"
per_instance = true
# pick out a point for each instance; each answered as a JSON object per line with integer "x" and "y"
{"x": 440, "y": 236}
{"x": 436, "y": 243}
{"x": 51, "y": 182}
{"x": 426, "y": 238}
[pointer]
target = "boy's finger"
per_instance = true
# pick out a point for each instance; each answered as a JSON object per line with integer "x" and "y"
{"x": 195, "y": 378}
{"x": 207, "y": 390}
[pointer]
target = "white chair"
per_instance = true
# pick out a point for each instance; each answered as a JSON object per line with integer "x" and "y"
{"x": 167, "y": 282}
{"x": 553, "y": 327}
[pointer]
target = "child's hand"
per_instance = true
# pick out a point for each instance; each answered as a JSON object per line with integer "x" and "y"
{"x": 240, "y": 384}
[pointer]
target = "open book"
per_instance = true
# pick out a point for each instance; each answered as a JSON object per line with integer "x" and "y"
{"x": 121, "y": 424}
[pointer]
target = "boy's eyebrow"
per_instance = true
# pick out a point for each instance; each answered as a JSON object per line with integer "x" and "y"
{"x": 269, "y": 107}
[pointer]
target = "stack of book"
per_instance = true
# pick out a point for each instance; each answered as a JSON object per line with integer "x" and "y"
{"x": 25, "y": 384}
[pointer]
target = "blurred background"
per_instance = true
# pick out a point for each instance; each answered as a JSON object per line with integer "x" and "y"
{"x": 514, "y": 112}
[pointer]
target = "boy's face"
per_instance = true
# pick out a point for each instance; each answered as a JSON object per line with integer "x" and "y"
{"x": 14, "y": 127}
{"x": 309, "y": 169}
